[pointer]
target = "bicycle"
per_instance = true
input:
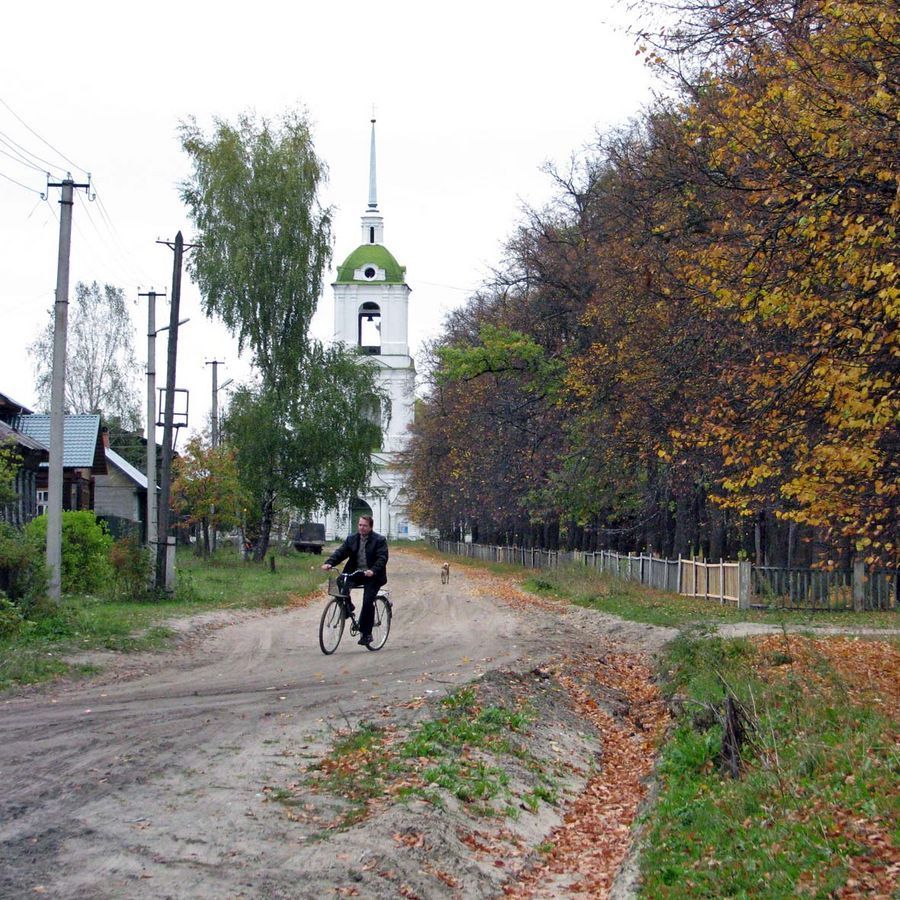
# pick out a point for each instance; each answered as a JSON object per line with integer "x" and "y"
{"x": 340, "y": 608}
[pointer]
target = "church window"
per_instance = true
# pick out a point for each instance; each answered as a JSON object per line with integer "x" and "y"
{"x": 369, "y": 272}
{"x": 371, "y": 235}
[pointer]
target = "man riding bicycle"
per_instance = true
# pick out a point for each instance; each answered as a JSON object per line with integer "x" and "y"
{"x": 367, "y": 551}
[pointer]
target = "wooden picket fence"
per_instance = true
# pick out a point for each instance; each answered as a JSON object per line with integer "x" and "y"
{"x": 737, "y": 584}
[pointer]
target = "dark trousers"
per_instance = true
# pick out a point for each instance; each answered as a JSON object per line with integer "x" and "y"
{"x": 371, "y": 587}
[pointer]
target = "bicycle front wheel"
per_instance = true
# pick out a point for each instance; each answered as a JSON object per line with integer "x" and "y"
{"x": 331, "y": 626}
{"x": 381, "y": 627}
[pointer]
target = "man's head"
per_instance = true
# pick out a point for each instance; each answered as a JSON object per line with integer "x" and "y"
{"x": 365, "y": 524}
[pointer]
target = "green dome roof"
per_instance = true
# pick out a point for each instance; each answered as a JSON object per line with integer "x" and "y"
{"x": 378, "y": 256}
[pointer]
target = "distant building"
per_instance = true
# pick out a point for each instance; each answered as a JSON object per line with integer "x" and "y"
{"x": 120, "y": 496}
{"x": 371, "y": 311}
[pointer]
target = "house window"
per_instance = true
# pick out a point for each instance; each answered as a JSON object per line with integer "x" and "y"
{"x": 43, "y": 501}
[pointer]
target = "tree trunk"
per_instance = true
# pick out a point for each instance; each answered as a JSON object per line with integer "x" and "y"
{"x": 681, "y": 539}
{"x": 206, "y": 544}
{"x": 265, "y": 526}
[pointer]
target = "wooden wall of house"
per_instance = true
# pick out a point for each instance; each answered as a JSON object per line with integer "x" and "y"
{"x": 117, "y": 495}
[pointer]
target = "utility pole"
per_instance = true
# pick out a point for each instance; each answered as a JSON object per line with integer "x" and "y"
{"x": 58, "y": 387}
{"x": 164, "y": 577}
{"x": 214, "y": 417}
{"x": 152, "y": 500}
{"x": 214, "y": 427}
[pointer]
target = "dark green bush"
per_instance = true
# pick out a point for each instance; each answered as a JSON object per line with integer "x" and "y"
{"x": 11, "y": 617}
{"x": 131, "y": 567}
{"x": 85, "y": 551}
{"x": 23, "y": 573}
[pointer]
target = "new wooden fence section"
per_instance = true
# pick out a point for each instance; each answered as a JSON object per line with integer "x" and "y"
{"x": 734, "y": 583}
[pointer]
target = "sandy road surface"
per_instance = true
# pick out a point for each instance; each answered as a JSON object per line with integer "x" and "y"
{"x": 151, "y": 786}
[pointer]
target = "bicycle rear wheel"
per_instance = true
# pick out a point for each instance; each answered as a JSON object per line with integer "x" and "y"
{"x": 381, "y": 627}
{"x": 331, "y": 626}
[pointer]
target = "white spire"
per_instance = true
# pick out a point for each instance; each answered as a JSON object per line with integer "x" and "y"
{"x": 373, "y": 197}
{"x": 372, "y": 221}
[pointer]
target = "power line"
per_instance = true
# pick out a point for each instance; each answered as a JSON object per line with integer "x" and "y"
{"x": 33, "y": 208}
{"x": 43, "y": 140}
{"x": 24, "y": 152}
{"x": 19, "y": 183}
{"x": 100, "y": 257}
{"x": 449, "y": 287}
{"x": 117, "y": 237}
{"x": 17, "y": 157}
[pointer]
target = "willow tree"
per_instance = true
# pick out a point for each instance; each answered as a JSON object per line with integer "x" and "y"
{"x": 264, "y": 240}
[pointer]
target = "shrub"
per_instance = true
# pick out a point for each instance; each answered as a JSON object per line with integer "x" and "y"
{"x": 23, "y": 573}
{"x": 11, "y": 617}
{"x": 85, "y": 551}
{"x": 131, "y": 567}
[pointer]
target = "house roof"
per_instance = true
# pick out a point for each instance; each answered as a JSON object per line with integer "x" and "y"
{"x": 23, "y": 440}
{"x": 82, "y": 445}
{"x": 122, "y": 464}
{"x": 10, "y": 407}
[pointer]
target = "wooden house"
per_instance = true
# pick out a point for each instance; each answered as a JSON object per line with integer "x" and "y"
{"x": 31, "y": 453}
{"x": 84, "y": 457}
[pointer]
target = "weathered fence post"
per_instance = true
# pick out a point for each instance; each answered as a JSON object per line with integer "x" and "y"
{"x": 744, "y": 584}
{"x": 859, "y": 585}
{"x": 678, "y": 588}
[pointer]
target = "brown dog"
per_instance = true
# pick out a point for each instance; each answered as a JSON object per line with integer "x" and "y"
{"x": 445, "y": 573}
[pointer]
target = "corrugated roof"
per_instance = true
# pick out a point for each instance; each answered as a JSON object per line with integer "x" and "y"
{"x": 138, "y": 477}
{"x": 23, "y": 440}
{"x": 82, "y": 447}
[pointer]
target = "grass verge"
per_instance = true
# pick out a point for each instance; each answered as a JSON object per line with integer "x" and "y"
{"x": 597, "y": 590}
{"x": 638, "y": 603}
{"x": 41, "y": 649}
{"x": 815, "y": 810}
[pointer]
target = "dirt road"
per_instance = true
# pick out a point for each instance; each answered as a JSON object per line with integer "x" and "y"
{"x": 151, "y": 785}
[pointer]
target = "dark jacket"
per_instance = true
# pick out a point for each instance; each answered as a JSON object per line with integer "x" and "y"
{"x": 376, "y": 555}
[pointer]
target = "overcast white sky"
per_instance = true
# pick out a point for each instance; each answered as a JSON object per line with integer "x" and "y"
{"x": 471, "y": 98}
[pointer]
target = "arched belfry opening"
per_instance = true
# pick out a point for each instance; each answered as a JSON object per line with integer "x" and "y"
{"x": 369, "y": 328}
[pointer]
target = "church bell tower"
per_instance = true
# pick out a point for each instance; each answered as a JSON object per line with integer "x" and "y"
{"x": 371, "y": 312}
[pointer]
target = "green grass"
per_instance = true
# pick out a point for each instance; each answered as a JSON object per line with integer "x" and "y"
{"x": 820, "y": 771}
{"x": 225, "y": 581}
{"x": 39, "y": 651}
{"x": 597, "y": 590}
{"x": 460, "y": 753}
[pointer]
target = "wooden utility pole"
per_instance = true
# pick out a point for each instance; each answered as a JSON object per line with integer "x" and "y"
{"x": 58, "y": 387}
{"x": 164, "y": 578}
